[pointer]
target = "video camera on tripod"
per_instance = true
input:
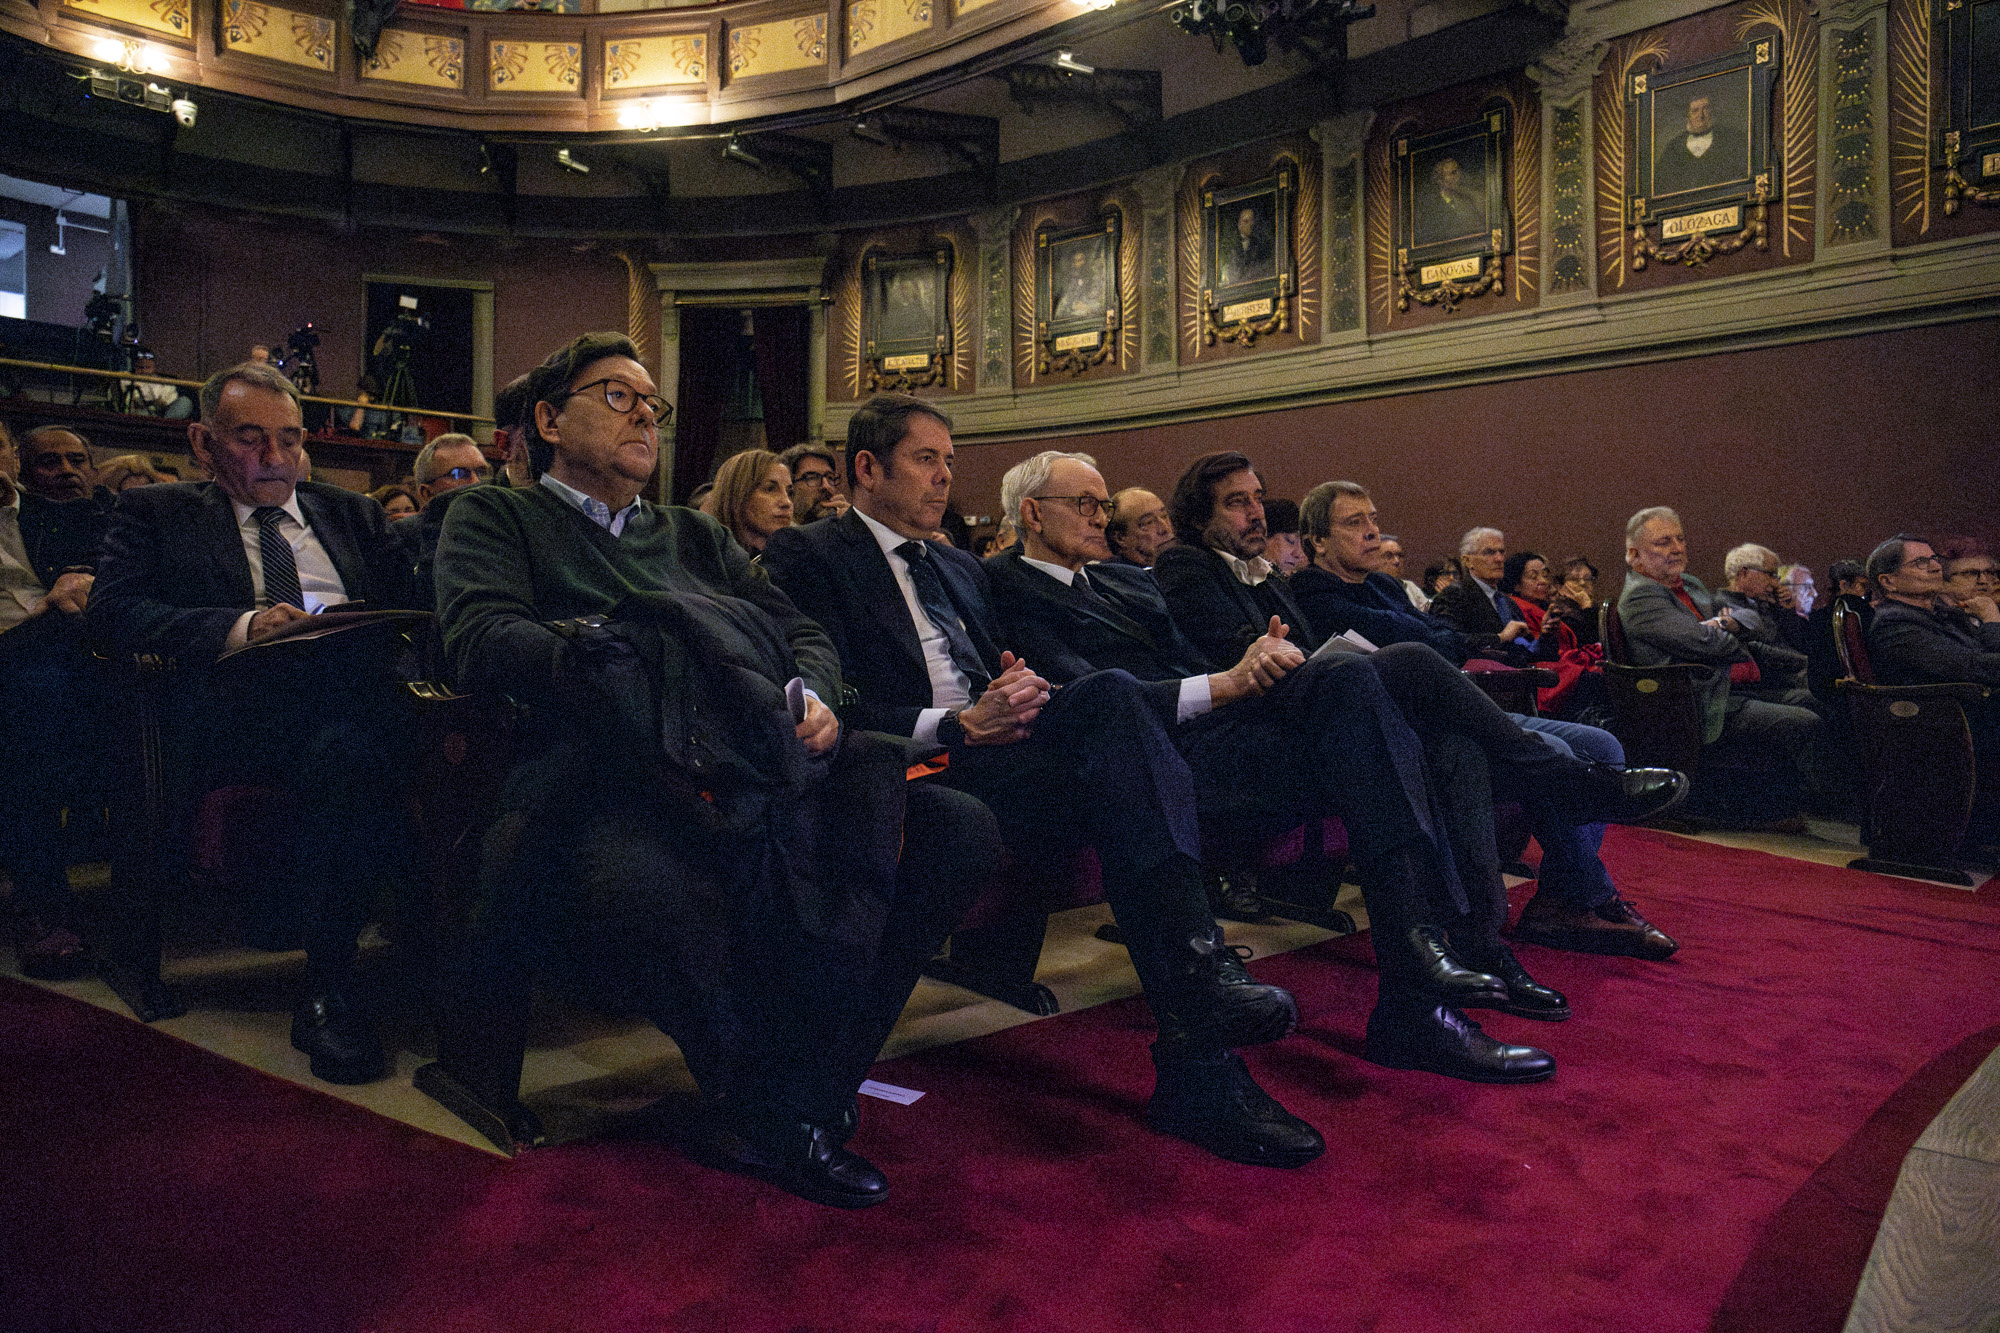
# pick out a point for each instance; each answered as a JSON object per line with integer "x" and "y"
{"x": 394, "y": 346}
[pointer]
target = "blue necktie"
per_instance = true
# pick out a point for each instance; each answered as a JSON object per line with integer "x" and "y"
{"x": 937, "y": 605}
{"x": 281, "y": 571}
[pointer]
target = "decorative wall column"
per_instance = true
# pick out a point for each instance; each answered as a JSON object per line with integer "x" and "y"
{"x": 1156, "y": 190}
{"x": 668, "y": 381}
{"x": 1340, "y": 141}
{"x": 1564, "y": 72}
{"x": 995, "y": 228}
{"x": 1854, "y": 128}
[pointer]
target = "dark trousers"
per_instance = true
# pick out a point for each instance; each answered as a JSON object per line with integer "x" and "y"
{"x": 50, "y": 757}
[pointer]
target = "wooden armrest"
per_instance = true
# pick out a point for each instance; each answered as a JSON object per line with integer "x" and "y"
{"x": 1957, "y": 689}
{"x": 1692, "y": 670}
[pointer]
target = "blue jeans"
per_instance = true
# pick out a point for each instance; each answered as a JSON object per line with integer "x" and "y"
{"x": 1571, "y": 867}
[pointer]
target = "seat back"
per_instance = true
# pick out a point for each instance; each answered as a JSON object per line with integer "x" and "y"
{"x": 1850, "y": 643}
{"x": 1611, "y": 633}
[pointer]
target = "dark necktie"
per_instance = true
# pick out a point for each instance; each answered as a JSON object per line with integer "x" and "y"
{"x": 281, "y": 571}
{"x": 937, "y": 605}
{"x": 1502, "y": 604}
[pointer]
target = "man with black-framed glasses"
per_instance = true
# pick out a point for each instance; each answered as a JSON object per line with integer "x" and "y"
{"x": 815, "y": 483}
{"x": 444, "y": 468}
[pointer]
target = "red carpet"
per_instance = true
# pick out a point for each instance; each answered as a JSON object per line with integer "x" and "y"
{"x": 1665, "y": 1175}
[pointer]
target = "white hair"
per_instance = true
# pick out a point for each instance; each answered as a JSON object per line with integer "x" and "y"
{"x": 1027, "y": 477}
{"x": 1747, "y": 556}
{"x": 1470, "y": 541}
{"x": 1642, "y": 518}
{"x": 421, "y": 470}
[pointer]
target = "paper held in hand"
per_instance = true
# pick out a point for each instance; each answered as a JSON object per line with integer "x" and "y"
{"x": 1347, "y": 641}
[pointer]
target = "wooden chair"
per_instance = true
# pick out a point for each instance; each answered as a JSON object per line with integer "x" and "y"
{"x": 1656, "y": 710}
{"x": 1917, "y": 761}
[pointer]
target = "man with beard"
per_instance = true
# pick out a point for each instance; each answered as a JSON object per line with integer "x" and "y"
{"x": 814, "y": 492}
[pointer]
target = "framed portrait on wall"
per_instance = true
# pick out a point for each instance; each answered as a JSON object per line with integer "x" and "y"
{"x": 1968, "y": 141}
{"x": 906, "y": 319}
{"x": 1699, "y": 144}
{"x": 1452, "y": 223}
{"x": 1077, "y": 298}
{"x": 1249, "y": 273}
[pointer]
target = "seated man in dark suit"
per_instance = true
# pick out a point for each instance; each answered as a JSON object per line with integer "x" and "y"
{"x": 1476, "y": 607}
{"x": 444, "y": 467}
{"x": 734, "y": 873}
{"x": 191, "y": 571}
{"x": 1094, "y": 765}
{"x": 1670, "y": 616}
{"x": 1576, "y": 906}
{"x": 1328, "y": 721}
{"x": 48, "y": 550}
{"x": 1919, "y": 637}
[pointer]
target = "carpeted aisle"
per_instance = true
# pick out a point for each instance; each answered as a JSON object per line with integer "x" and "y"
{"x": 150, "y": 1186}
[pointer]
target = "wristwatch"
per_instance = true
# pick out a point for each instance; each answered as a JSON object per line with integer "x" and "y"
{"x": 950, "y": 731}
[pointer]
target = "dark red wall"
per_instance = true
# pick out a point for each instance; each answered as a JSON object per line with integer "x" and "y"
{"x": 210, "y": 284}
{"x": 1818, "y": 450}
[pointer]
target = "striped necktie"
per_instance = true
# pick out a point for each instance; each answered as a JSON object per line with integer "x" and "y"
{"x": 281, "y": 571}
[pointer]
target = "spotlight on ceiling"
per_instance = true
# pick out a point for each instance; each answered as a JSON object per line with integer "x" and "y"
{"x": 569, "y": 163}
{"x": 872, "y": 131}
{"x": 736, "y": 152}
{"x": 1095, "y": 5}
{"x": 1069, "y": 64}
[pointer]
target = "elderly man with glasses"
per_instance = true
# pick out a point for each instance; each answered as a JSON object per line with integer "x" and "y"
{"x": 444, "y": 468}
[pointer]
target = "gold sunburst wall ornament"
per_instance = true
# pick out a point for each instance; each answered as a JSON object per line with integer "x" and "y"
{"x": 905, "y": 302}
{"x": 1798, "y": 112}
{"x": 1627, "y": 57}
{"x": 1098, "y": 236}
{"x": 1250, "y": 251}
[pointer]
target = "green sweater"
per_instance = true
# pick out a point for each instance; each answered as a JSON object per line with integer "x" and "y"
{"x": 510, "y": 560}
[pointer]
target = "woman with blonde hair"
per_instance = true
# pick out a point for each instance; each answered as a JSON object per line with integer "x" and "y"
{"x": 128, "y": 470}
{"x": 753, "y": 497}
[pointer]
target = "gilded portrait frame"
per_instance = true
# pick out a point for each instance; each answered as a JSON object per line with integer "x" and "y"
{"x": 906, "y": 319}
{"x": 1452, "y": 243}
{"x": 1249, "y": 268}
{"x": 1078, "y": 301}
{"x": 1725, "y": 197}
{"x": 1967, "y": 144}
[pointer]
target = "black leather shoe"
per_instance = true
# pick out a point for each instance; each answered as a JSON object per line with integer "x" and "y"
{"x": 1446, "y": 978}
{"x": 48, "y": 950}
{"x": 1610, "y": 795}
{"x": 806, "y": 1160}
{"x": 1438, "y": 1039}
{"x": 341, "y": 1042}
{"x": 1217, "y": 1006}
{"x": 1209, "y": 1099}
{"x": 1612, "y": 927}
{"x": 1523, "y": 995}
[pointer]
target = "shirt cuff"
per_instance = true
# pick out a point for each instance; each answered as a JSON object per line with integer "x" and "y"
{"x": 1195, "y": 698}
{"x": 239, "y": 633}
{"x": 927, "y": 725}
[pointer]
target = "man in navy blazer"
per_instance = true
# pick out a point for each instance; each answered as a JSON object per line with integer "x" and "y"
{"x": 1092, "y": 765}
{"x": 1330, "y": 720}
{"x": 192, "y": 570}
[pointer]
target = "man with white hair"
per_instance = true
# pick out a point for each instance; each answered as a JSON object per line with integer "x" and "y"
{"x": 1670, "y": 616}
{"x": 1764, "y": 605}
{"x": 1475, "y": 605}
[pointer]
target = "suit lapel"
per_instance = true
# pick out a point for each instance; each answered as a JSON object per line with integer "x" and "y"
{"x": 226, "y": 540}
{"x": 878, "y": 591}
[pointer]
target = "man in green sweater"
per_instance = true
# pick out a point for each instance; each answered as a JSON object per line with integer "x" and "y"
{"x": 688, "y": 832}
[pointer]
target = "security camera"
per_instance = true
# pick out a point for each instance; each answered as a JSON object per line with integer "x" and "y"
{"x": 184, "y": 112}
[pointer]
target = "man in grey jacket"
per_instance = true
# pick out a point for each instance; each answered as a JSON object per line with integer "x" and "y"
{"x": 1669, "y": 616}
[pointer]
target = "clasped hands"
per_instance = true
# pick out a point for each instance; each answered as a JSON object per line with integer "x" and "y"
{"x": 1006, "y": 712}
{"x": 70, "y": 595}
{"x": 1266, "y": 662}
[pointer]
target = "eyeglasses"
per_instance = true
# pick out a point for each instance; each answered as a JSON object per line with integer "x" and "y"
{"x": 1767, "y": 573}
{"x": 464, "y": 474}
{"x": 1922, "y": 562}
{"x": 622, "y": 397}
{"x": 1983, "y": 574}
{"x": 1087, "y": 506}
{"x": 813, "y": 478}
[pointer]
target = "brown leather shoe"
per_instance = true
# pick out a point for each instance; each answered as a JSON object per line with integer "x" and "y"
{"x": 49, "y": 950}
{"x": 1612, "y": 927}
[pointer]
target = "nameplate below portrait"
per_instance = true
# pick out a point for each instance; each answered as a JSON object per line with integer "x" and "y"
{"x": 914, "y": 361}
{"x": 1079, "y": 340}
{"x": 1246, "y": 310}
{"x": 1712, "y": 220}
{"x": 1989, "y": 165}
{"x": 1453, "y": 270}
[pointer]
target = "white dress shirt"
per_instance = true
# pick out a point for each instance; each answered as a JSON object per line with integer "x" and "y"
{"x": 319, "y": 581}
{"x": 1252, "y": 572}
{"x": 949, "y": 687}
{"x": 1195, "y": 698}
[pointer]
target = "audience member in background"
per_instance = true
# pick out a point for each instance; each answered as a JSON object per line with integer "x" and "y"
{"x": 260, "y": 355}
{"x": 397, "y": 500}
{"x": 1005, "y": 536}
{"x": 48, "y": 752}
{"x": 1137, "y": 527}
{"x": 1805, "y": 593}
{"x": 1850, "y": 590}
{"x": 753, "y": 497}
{"x": 192, "y": 571}
{"x": 1576, "y": 905}
{"x": 1281, "y": 538}
{"x": 368, "y": 422}
{"x": 1436, "y": 579}
{"x": 694, "y": 875}
{"x": 1969, "y": 569}
{"x": 1921, "y": 637}
{"x": 1090, "y": 765}
{"x": 160, "y": 400}
{"x": 446, "y": 468}
{"x": 55, "y": 464}
{"x": 128, "y": 470}
{"x": 1669, "y": 616}
{"x": 1525, "y": 580}
{"x": 510, "y": 431}
{"x": 1475, "y": 605}
{"x": 1390, "y": 554}
{"x": 1767, "y": 625}
{"x": 815, "y": 483}
{"x": 702, "y": 498}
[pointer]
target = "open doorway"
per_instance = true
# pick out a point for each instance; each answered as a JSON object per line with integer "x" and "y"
{"x": 744, "y": 382}
{"x": 418, "y": 346}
